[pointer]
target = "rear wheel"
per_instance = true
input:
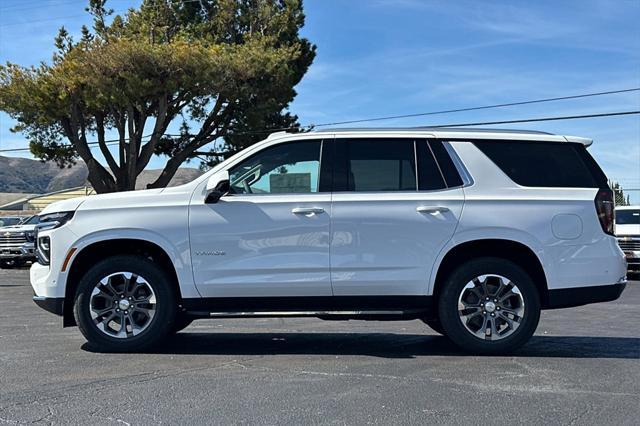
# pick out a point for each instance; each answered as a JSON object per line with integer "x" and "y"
{"x": 125, "y": 303}
{"x": 489, "y": 306}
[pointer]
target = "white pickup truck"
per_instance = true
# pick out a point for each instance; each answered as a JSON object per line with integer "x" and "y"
{"x": 628, "y": 233}
{"x": 17, "y": 243}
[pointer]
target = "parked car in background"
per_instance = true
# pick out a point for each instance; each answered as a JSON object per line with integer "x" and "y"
{"x": 472, "y": 231}
{"x": 17, "y": 243}
{"x": 628, "y": 234}
{"x": 10, "y": 220}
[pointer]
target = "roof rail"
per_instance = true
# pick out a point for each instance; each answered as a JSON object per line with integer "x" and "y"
{"x": 434, "y": 129}
{"x": 277, "y": 134}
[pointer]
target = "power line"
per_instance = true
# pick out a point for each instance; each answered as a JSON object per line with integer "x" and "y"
{"x": 449, "y": 111}
{"x": 530, "y": 120}
{"x": 480, "y": 123}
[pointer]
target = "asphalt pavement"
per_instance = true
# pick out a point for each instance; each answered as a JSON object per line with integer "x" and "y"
{"x": 581, "y": 367}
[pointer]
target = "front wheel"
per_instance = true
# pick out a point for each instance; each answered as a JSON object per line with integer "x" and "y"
{"x": 125, "y": 303}
{"x": 489, "y": 306}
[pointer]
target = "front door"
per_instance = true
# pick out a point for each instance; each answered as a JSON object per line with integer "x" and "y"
{"x": 390, "y": 216}
{"x": 269, "y": 236}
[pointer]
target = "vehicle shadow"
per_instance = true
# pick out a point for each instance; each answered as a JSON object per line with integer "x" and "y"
{"x": 385, "y": 345}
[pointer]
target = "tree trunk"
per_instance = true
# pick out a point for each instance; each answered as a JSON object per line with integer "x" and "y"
{"x": 99, "y": 178}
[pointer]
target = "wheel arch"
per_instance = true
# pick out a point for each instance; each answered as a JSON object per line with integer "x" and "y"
{"x": 95, "y": 251}
{"x": 515, "y": 251}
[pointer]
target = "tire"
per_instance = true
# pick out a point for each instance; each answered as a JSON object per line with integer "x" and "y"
{"x": 151, "y": 300}
{"x": 4, "y": 264}
{"x": 435, "y": 325}
{"x": 513, "y": 307}
{"x": 181, "y": 322}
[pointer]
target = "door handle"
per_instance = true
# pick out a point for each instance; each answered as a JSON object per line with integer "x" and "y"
{"x": 431, "y": 209}
{"x": 307, "y": 210}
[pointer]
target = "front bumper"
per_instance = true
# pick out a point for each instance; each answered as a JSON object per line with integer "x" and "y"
{"x": 23, "y": 252}
{"x": 578, "y": 296}
{"x": 55, "y": 305}
{"x": 633, "y": 261}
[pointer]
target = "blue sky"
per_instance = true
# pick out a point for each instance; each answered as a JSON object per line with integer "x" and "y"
{"x": 389, "y": 57}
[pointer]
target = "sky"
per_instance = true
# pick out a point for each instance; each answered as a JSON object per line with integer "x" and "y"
{"x": 391, "y": 57}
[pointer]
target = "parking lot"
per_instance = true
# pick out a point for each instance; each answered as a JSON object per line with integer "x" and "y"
{"x": 582, "y": 367}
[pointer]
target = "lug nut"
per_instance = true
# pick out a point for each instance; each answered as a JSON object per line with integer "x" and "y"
{"x": 493, "y": 315}
{"x": 484, "y": 312}
{"x": 498, "y": 308}
{"x": 127, "y": 313}
{"x": 482, "y": 305}
{"x": 487, "y": 298}
{"x": 117, "y": 310}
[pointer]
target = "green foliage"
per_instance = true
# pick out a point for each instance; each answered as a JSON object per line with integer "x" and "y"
{"x": 223, "y": 67}
{"x": 618, "y": 192}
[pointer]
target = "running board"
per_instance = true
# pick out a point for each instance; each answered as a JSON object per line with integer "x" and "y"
{"x": 326, "y": 315}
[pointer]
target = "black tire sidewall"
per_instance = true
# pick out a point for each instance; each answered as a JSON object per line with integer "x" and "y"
{"x": 448, "y": 305}
{"x": 181, "y": 322}
{"x": 166, "y": 304}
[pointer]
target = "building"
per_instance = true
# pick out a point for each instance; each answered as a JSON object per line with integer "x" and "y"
{"x": 38, "y": 202}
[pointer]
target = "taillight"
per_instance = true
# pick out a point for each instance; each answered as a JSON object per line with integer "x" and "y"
{"x": 605, "y": 208}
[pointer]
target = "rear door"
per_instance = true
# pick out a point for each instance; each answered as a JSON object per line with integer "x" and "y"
{"x": 392, "y": 212}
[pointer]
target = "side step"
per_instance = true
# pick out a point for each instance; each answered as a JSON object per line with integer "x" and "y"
{"x": 325, "y": 315}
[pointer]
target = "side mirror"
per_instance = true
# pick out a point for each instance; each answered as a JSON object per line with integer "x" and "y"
{"x": 217, "y": 186}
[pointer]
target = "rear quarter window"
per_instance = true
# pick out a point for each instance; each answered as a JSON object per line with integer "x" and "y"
{"x": 545, "y": 164}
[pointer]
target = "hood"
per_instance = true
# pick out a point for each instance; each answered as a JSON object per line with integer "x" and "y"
{"x": 69, "y": 205}
{"x": 118, "y": 199}
{"x": 112, "y": 199}
{"x": 18, "y": 228}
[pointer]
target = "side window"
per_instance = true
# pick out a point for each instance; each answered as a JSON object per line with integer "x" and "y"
{"x": 430, "y": 176}
{"x": 449, "y": 171}
{"x": 545, "y": 164}
{"x": 285, "y": 168}
{"x": 375, "y": 165}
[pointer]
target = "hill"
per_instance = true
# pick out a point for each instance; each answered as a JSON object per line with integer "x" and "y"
{"x": 31, "y": 176}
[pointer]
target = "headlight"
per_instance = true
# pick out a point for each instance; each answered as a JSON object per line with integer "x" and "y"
{"x": 43, "y": 243}
{"x": 54, "y": 220}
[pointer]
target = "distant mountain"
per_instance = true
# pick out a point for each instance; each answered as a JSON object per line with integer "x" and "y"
{"x": 32, "y": 176}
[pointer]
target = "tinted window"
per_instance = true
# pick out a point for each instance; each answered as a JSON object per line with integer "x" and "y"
{"x": 429, "y": 174}
{"x": 375, "y": 165}
{"x": 546, "y": 164}
{"x": 627, "y": 217}
{"x": 33, "y": 220}
{"x": 9, "y": 221}
{"x": 285, "y": 168}
{"x": 449, "y": 171}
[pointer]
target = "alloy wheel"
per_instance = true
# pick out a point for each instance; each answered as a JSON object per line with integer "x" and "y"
{"x": 491, "y": 307}
{"x": 122, "y": 305}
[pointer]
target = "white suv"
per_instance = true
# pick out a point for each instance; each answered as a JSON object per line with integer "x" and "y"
{"x": 473, "y": 232}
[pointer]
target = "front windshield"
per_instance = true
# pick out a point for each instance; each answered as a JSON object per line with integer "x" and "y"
{"x": 33, "y": 220}
{"x": 9, "y": 221}
{"x": 628, "y": 217}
